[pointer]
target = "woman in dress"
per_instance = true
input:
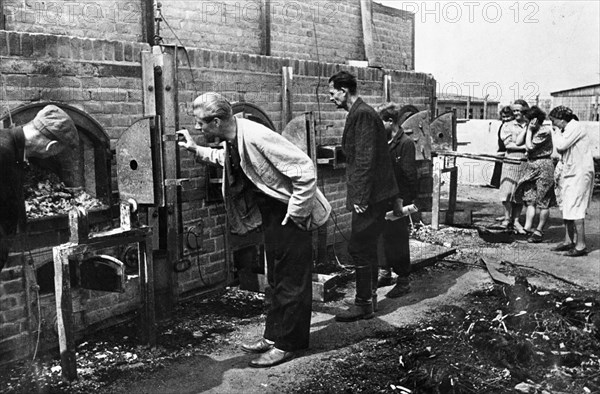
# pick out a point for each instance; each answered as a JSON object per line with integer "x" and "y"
{"x": 535, "y": 189}
{"x": 511, "y": 133}
{"x": 574, "y": 178}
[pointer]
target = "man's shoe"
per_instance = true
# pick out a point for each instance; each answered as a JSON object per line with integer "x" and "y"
{"x": 398, "y": 291}
{"x": 356, "y": 312}
{"x": 271, "y": 358}
{"x": 260, "y": 346}
{"x": 576, "y": 252}
{"x": 384, "y": 280}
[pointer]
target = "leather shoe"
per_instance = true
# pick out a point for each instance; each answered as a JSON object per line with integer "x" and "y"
{"x": 562, "y": 247}
{"x": 398, "y": 291}
{"x": 259, "y": 346}
{"x": 576, "y": 252}
{"x": 356, "y": 312}
{"x": 271, "y": 358}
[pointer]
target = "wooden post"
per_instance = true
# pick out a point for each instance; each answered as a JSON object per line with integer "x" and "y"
{"x": 171, "y": 163}
{"x": 454, "y": 173}
{"x": 387, "y": 88}
{"x": 265, "y": 32}
{"x": 64, "y": 313}
{"x": 146, "y": 272}
{"x": 287, "y": 74}
{"x": 78, "y": 225}
{"x": 438, "y": 163}
{"x": 366, "y": 12}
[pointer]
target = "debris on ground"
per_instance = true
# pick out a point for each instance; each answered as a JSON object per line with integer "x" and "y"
{"x": 511, "y": 338}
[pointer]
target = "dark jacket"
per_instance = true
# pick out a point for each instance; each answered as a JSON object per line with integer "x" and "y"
{"x": 402, "y": 152}
{"x": 12, "y": 205}
{"x": 369, "y": 168}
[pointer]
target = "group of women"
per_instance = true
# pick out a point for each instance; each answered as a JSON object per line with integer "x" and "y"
{"x": 537, "y": 184}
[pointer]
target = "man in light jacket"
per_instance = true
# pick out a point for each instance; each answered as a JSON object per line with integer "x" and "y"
{"x": 268, "y": 181}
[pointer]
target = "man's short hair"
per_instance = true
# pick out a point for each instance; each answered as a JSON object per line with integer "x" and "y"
{"x": 214, "y": 106}
{"x": 344, "y": 79}
{"x": 54, "y": 124}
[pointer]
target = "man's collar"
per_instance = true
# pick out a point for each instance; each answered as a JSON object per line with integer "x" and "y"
{"x": 355, "y": 104}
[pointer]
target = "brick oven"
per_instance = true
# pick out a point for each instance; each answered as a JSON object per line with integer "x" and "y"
{"x": 121, "y": 68}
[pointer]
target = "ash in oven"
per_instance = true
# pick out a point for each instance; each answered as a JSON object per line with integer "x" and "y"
{"x": 46, "y": 195}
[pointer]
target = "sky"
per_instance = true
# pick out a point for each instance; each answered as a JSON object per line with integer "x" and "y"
{"x": 506, "y": 49}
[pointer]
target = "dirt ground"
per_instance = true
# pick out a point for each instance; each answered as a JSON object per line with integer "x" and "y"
{"x": 456, "y": 332}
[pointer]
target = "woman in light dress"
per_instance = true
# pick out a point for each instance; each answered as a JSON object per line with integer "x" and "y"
{"x": 574, "y": 177}
{"x": 512, "y": 135}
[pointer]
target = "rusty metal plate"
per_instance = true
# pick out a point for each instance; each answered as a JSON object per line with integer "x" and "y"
{"x": 441, "y": 132}
{"x": 418, "y": 128}
{"x": 134, "y": 163}
{"x": 296, "y": 132}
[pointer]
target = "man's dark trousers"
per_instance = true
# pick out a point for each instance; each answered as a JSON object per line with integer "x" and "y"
{"x": 396, "y": 246}
{"x": 366, "y": 229}
{"x": 289, "y": 273}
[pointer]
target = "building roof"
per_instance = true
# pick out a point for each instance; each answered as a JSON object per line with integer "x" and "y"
{"x": 456, "y": 98}
{"x": 597, "y": 85}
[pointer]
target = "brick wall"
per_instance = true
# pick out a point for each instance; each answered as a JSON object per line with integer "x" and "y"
{"x": 227, "y": 73}
{"x": 328, "y": 30}
{"x": 102, "y": 78}
{"x": 110, "y": 20}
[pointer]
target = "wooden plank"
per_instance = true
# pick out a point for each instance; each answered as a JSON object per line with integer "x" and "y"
{"x": 31, "y": 298}
{"x": 148, "y": 86}
{"x": 366, "y": 13}
{"x": 287, "y": 76}
{"x": 496, "y": 275}
{"x": 464, "y": 218}
{"x": 64, "y": 313}
{"x": 423, "y": 254}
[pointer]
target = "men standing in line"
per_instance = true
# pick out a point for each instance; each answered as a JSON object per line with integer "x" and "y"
{"x": 370, "y": 186}
{"x": 268, "y": 181}
{"x": 51, "y": 131}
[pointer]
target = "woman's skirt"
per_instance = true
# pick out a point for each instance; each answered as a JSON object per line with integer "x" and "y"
{"x": 536, "y": 185}
{"x": 511, "y": 173}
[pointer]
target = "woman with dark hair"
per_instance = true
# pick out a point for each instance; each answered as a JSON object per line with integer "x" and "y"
{"x": 535, "y": 188}
{"x": 574, "y": 178}
{"x": 506, "y": 115}
{"x": 511, "y": 134}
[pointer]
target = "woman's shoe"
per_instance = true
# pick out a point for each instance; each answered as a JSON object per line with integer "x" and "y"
{"x": 576, "y": 252}
{"x": 562, "y": 247}
{"x": 519, "y": 230}
{"x": 536, "y": 237}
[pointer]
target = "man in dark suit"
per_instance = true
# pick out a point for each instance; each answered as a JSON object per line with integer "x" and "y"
{"x": 370, "y": 186}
